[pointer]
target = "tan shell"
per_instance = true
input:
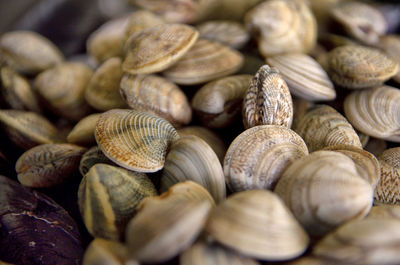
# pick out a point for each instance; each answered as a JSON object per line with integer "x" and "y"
{"x": 388, "y": 189}
{"x": 227, "y": 32}
{"x": 92, "y": 157}
{"x": 140, "y": 20}
{"x": 390, "y": 44}
{"x": 191, "y": 158}
{"x": 83, "y": 131}
{"x": 267, "y": 100}
{"x": 304, "y": 76}
{"x": 300, "y": 108}
{"x": 155, "y": 49}
{"x": 48, "y": 165}
{"x": 108, "y": 197}
{"x": 190, "y": 190}
{"x": 258, "y": 156}
{"x": 375, "y": 111}
{"x": 63, "y": 89}
{"x": 156, "y": 95}
{"x": 205, "y": 61}
{"x": 385, "y": 211}
{"x": 102, "y": 92}
{"x": 28, "y": 52}
{"x": 323, "y": 126}
{"x": 257, "y": 224}
{"x": 134, "y": 140}
{"x": 28, "y": 129}
{"x": 219, "y": 102}
{"x": 355, "y": 67}
{"x": 105, "y": 252}
{"x": 282, "y": 26}
{"x": 324, "y": 190}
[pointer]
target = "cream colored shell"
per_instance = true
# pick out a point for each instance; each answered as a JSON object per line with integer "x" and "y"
{"x": 105, "y": 252}
{"x": 83, "y": 131}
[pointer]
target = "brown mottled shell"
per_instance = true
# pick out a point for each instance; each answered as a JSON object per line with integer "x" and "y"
{"x": 63, "y": 89}
{"x": 257, "y": 224}
{"x": 28, "y": 52}
{"x": 388, "y": 189}
{"x": 304, "y": 76}
{"x": 267, "y": 100}
{"x": 157, "y": 48}
{"x": 219, "y": 102}
{"x": 83, "y": 131}
{"x": 105, "y": 252}
{"x": 323, "y": 190}
{"x": 205, "y": 61}
{"x": 134, "y": 140}
{"x": 48, "y": 165}
{"x": 323, "y": 126}
{"x": 156, "y": 95}
{"x": 258, "y": 156}
{"x": 108, "y": 197}
{"x": 140, "y": 20}
{"x": 28, "y": 129}
{"x": 355, "y": 67}
{"x": 390, "y": 44}
{"x": 92, "y": 157}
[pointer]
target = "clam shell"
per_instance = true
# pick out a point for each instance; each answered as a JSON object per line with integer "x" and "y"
{"x": 155, "y": 49}
{"x": 140, "y": 20}
{"x": 257, "y": 224}
{"x": 205, "y": 61}
{"x": 324, "y": 190}
{"x": 388, "y": 190}
{"x": 83, "y": 131}
{"x": 156, "y": 95}
{"x": 219, "y": 102}
{"x": 92, "y": 157}
{"x": 234, "y": 9}
{"x": 300, "y": 108}
{"x": 105, "y": 252}
{"x": 134, "y": 140}
{"x": 267, "y": 100}
{"x": 108, "y": 198}
{"x": 390, "y": 44}
{"x": 385, "y": 211}
{"x": 258, "y": 156}
{"x": 304, "y": 76}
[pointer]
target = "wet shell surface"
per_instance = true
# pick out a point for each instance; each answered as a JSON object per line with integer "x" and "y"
{"x": 267, "y": 100}
{"x": 257, "y": 224}
{"x": 323, "y": 126}
{"x": 324, "y": 190}
{"x": 155, "y": 49}
{"x": 157, "y": 95}
{"x": 304, "y": 76}
{"x": 83, "y": 131}
{"x": 105, "y": 252}
{"x": 134, "y": 140}
{"x": 205, "y": 61}
{"x": 258, "y": 156}
{"x": 92, "y": 157}
{"x": 108, "y": 198}
{"x": 388, "y": 190}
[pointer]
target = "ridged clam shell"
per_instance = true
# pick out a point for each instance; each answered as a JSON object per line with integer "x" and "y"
{"x": 155, "y": 49}
{"x": 140, "y": 20}
{"x": 388, "y": 189}
{"x": 219, "y": 102}
{"x": 304, "y": 76}
{"x": 48, "y": 165}
{"x": 92, "y": 157}
{"x": 205, "y": 61}
{"x": 323, "y": 126}
{"x": 105, "y": 252}
{"x": 156, "y": 95}
{"x": 390, "y": 44}
{"x": 191, "y": 158}
{"x": 108, "y": 198}
{"x": 83, "y": 131}
{"x": 134, "y": 140}
{"x": 324, "y": 190}
{"x": 258, "y": 156}
{"x": 257, "y": 224}
{"x": 267, "y": 100}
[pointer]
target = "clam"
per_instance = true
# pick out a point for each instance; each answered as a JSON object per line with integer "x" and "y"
{"x": 300, "y": 108}
{"x": 83, "y": 131}
{"x": 108, "y": 198}
{"x": 388, "y": 190}
{"x": 92, "y": 157}
{"x": 323, "y": 126}
{"x": 324, "y": 190}
{"x": 48, "y": 165}
{"x": 140, "y": 20}
{"x": 304, "y": 76}
{"x": 385, "y": 211}
{"x": 267, "y": 100}
{"x": 105, "y": 252}
{"x": 191, "y": 191}
{"x": 390, "y": 44}
{"x": 28, "y": 52}
{"x": 134, "y": 140}
{"x": 156, "y": 48}
{"x": 258, "y": 156}
{"x": 257, "y": 224}
{"x": 219, "y": 102}
{"x": 157, "y": 95}
{"x": 234, "y": 9}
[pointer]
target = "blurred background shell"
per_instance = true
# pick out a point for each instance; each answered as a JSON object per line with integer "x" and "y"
{"x": 83, "y": 132}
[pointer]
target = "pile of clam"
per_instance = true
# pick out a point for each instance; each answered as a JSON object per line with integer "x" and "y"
{"x": 207, "y": 132}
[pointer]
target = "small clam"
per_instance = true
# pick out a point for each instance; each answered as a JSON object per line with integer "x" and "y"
{"x": 135, "y": 140}
{"x": 205, "y": 61}
{"x": 108, "y": 198}
{"x": 105, "y": 252}
{"x": 83, "y": 131}
{"x": 388, "y": 189}
{"x": 257, "y": 224}
{"x": 267, "y": 100}
{"x": 219, "y": 102}
{"x": 92, "y": 157}
{"x": 140, "y": 20}
{"x": 323, "y": 126}
{"x": 390, "y": 44}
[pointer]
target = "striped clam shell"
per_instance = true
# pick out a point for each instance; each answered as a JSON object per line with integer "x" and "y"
{"x": 134, "y": 140}
{"x": 388, "y": 189}
{"x": 83, "y": 131}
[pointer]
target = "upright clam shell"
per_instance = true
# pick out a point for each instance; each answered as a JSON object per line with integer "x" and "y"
{"x": 83, "y": 131}
{"x": 258, "y": 156}
{"x": 388, "y": 189}
{"x": 92, "y": 157}
{"x": 205, "y": 61}
{"x": 134, "y": 140}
